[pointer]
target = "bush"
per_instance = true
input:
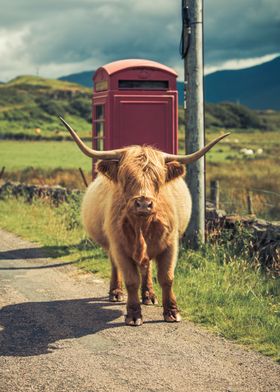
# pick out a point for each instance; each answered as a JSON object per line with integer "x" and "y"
{"x": 231, "y": 115}
{"x": 81, "y": 107}
{"x": 52, "y": 107}
{"x": 16, "y": 115}
{"x": 247, "y": 117}
{"x": 70, "y": 211}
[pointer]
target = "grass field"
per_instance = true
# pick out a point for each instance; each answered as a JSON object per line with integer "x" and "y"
{"x": 18, "y": 155}
{"x": 216, "y": 286}
{"x": 47, "y": 154}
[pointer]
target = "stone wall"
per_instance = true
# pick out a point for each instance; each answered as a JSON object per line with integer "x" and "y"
{"x": 56, "y": 194}
{"x": 264, "y": 236}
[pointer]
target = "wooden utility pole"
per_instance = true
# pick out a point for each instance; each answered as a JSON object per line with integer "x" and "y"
{"x": 194, "y": 114}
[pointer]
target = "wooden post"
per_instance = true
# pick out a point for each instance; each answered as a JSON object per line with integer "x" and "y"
{"x": 194, "y": 114}
{"x": 2, "y": 172}
{"x": 250, "y": 207}
{"x": 215, "y": 193}
{"x": 83, "y": 177}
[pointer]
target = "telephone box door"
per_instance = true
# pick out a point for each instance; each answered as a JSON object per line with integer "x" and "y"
{"x": 143, "y": 120}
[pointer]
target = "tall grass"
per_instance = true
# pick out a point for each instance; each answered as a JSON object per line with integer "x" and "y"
{"x": 218, "y": 286}
{"x": 70, "y": 178}
{"x": 231, "y": 297}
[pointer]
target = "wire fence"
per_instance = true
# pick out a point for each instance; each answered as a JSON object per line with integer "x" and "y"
{"x": 246, "y": 201}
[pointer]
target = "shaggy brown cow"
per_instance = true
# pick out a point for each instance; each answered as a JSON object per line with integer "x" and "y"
{"x": 137, "y": 209}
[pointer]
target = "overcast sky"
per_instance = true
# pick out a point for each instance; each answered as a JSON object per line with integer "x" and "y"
{"x": 54, "y": 38}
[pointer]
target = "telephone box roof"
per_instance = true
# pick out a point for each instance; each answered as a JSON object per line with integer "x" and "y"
{"x": 120, "y": 65}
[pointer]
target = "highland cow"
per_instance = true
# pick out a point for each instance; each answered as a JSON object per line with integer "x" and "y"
{"x": 137, "y": 209}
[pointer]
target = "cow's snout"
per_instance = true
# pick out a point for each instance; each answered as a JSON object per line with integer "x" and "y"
{"x": 143, "y": 205}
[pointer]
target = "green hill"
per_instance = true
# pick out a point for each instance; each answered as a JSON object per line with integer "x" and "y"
{"x": 237, "y": 117}
{"x": 29, "y": 106}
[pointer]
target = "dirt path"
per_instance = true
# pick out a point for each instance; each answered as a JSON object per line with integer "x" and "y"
{"x": 59, "y": 333}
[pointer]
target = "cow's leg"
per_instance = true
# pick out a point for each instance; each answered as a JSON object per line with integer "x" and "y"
{"x": 132, "y": 282}
{"x": 116, "y": 292}
{"x": 148, "y": 294}
{"x": 166, "y": 264}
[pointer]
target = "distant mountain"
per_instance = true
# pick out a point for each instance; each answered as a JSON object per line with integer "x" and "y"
{"x": 257, "y": 87}
{"x": 83, "y": 78}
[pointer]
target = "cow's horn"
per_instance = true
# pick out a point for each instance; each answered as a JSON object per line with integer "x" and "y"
{"x": 196, "y": 155}
{"x": 112, "y": 154}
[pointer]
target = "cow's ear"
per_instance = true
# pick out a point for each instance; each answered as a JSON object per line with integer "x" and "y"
{"x": 109, "y": 169}
{"x": 174, "y": 169}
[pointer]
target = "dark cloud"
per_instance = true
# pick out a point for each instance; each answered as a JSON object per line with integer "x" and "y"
{"x": 241, "y": 29}
{"x": 108, "y": 30}
{"x": 93, "y": 32}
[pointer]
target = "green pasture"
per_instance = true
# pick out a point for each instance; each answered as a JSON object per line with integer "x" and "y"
{"x": 18, "y": 155}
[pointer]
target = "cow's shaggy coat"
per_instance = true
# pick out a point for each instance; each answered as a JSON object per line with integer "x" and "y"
{"x": 131, "y": 239}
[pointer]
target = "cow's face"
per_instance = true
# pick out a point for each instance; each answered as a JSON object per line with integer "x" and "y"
{"x": 141, "y": 173}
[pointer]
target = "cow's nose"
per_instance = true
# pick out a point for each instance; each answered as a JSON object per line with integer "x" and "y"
{"x": 143, "y": 204}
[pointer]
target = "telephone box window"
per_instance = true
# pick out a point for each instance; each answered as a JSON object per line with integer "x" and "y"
{"x": 99, "y": 112}
{"x": 99, "y": 127}
{"x": 143, "y": 84}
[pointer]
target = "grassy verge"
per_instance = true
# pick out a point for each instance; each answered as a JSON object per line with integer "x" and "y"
{"x": 57, "y": 230}
{"x": 235, "y": 300}
{"x": 215, "y": 287}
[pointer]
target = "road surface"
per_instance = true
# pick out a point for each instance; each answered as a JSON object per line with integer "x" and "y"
{"x": 58, "y": 332}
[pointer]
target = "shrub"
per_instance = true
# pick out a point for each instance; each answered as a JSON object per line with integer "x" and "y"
{"x": 16, "y": 115}
{"x": 232, "y": 115}
{"x": 52, "y": 107}
{"x": 81, "y": 106}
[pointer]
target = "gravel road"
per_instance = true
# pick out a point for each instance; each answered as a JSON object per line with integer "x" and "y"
{"x": 58, "y": 332}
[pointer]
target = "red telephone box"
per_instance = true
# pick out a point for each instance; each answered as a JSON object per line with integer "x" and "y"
{"x": 135, "y": 102}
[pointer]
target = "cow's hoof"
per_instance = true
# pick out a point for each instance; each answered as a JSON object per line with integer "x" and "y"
{"x": 134, "y": 316}
{"x": 172, "y": 316}
{"x": 116, "y": 296}
{"x": 133, "y": 322}
{"x": 149, "y": 299}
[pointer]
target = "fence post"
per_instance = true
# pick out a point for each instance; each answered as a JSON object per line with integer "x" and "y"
{"x": 83, "y": 177}
{"x": 250, "y": 203}
{"x": 2, "y": 172}
{"x": 215, "y": 193}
